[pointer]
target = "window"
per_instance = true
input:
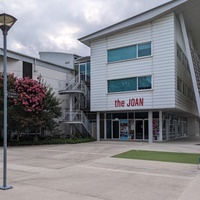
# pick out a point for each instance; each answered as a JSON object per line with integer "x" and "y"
{"x": 84, "y": 71}
{"x": 182, "y": 58}
{"x": 129, "y": 52}
{"x": 144, "y": 83}
{"x": 130, "y": 84}
{"x": 123, "y": 53}
{"x": 144, "y": 49}
{"x": 121, "y": 85}
{"x": 179, "y": 84}
{"x": 27, "y": 70}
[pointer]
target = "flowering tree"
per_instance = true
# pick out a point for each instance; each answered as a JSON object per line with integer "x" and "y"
{"x": 33, "y": 106}
{"x": 31, "y": 95}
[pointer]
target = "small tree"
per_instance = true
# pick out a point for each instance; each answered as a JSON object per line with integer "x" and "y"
{"x": 35, "y": 105}
{"x": 11, "y": 88}
{"x": 27, "y": 109}
{"x": 52, "y": 109}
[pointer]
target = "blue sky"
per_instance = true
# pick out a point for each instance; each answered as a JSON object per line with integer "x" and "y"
{"x": 55, "y": 25}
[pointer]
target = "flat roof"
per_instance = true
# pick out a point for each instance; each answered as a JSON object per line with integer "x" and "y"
{"x": 30, "y": 59}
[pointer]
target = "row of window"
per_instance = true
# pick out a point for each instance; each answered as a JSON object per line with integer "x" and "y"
{"x": 185, "y": 89}
{"x": 129, "y": 52}
{"x": 130, "y": 84}
{"x": 182, "y": 57}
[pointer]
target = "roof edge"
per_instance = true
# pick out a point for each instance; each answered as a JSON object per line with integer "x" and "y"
{"x": 134, "y": 21}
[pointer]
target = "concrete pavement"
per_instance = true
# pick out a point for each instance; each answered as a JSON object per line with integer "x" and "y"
{"x": 88, "y": 172}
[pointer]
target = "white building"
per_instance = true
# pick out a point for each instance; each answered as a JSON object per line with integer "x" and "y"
{"x": 144, "y": 74}
{"x": 26, "y": 66}
{"x": 50, "y": 72}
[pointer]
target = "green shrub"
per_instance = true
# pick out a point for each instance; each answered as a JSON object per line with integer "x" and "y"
{"x": 48, "y": 141}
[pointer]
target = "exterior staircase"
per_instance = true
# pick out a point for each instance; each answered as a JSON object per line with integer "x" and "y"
{"x": 72, "y": 113}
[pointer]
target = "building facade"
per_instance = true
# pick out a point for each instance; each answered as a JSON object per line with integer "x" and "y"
{"x": 144, "y": 75}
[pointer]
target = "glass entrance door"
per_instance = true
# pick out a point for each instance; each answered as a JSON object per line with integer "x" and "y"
{"x": 115, "y": 129}
{"x": 141, "y": 129}
{"x": 146, "y": 129}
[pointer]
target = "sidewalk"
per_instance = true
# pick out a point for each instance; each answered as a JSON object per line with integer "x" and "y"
{"x": 88, "y": 172}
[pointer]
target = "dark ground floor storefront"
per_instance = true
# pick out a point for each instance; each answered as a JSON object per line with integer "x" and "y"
{"x": 145, "y": 126}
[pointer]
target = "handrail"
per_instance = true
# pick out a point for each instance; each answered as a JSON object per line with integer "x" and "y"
{"x": 66, "y": 109}
{"x": 74, "y": 83}
{"x": 78, "y": 116}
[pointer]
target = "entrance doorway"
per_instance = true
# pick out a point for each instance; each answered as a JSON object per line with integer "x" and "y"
{"x": 115, "y": 129}
{"x": 141, "y": 129}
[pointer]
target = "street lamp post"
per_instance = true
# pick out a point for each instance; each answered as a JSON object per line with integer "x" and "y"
{"x": 6, "y": 22}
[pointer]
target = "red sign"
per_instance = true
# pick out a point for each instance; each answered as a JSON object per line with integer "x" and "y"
{"x": 130, "y": 103}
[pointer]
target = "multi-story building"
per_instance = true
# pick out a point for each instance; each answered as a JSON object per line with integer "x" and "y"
{"x": 144, "y": 74}
{"x": 43, "y": 69}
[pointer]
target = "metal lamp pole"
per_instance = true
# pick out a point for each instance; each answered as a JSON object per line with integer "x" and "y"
{"x": 6, "y": 22}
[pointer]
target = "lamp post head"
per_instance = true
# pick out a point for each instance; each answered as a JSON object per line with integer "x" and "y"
{"x": 6, "y": 22}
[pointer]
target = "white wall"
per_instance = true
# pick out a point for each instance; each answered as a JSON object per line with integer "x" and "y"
{"x": 13, "y": 66}
{"x": 160, "y": 65}
{"x": 50, "y": 75}
{"x": 62, "y": 59}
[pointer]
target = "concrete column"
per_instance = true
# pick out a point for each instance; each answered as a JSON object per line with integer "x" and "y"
{"x": 70, "y": 105}
{"x": 167, "y": 129}
{"x": 98, "y": 126}
{"x": 160, "y": 127}
{"x": 150, "y": 123}
{"x": 191, "y": 126}
{"x": 71, "y": 109}
{"x": 105, "y": 127}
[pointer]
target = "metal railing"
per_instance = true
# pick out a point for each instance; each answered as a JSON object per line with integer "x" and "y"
{"x": 78, "y": 117}
{"x": 66, "y": 109}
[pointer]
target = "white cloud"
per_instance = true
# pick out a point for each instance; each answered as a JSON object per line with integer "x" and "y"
{"x": 50, "y": 25}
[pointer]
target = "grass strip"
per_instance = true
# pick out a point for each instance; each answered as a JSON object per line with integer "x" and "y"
{"x": 189, "y": 158}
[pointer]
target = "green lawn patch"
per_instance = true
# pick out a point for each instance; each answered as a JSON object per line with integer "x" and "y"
{"x": 190, "y": 158}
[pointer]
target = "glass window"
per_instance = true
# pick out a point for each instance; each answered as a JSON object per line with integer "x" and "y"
{"x": 141, "y": 115}
{"x": 121, "y": 85}
{"x": 123, "y": 53}
{"x": 144, "y": 49}
{"x": 144, "y": 83}
{"x": 88, "y": 71}
{"x": 178, "y": 52}
{"x": 82, "y": 72}
{"x": 27, "y": 70}
{"x": 179, "y": 84}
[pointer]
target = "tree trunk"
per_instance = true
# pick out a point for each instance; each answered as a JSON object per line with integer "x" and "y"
{"x": 18, "y": 135}
{"x": 36, "y": 136}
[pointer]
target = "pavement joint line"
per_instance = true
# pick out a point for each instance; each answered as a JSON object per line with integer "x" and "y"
{"x": 74, "y": 193}
{"x": 186, "y": 188}
{"x": 139, "y": 173}
{"x": 27, "y": 168}
{"x": 103, "y": 154}
{"x": 140, "y": 167}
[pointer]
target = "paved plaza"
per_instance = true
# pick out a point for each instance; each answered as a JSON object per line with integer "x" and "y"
{"x": 88, "y": 172}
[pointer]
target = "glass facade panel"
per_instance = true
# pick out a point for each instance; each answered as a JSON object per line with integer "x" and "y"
{"x": 88, "y": 71}
{"x": 121, "y": 85}
{"x": 123, "y": 53}
{"x": 144, "y": 49}
{"x": 144, "y": 83}
{"x": 82, "y": 72}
